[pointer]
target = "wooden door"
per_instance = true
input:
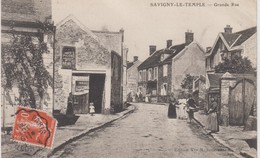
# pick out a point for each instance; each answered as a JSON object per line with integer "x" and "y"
{"x": 242, "y": 100}
{"x": 80, "y": 104}
{"x": 236, "y": 106}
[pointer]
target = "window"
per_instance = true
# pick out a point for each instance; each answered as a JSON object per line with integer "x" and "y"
{"x": 165, "y": 70}
{"x": 155, "y": 73}
{"x": 144, "y": 75}
{"x": 150, "y": 74}
{"x": 68, "y": 60}
{"x": 164, "y": 89}
{"x": 140, "y": 75}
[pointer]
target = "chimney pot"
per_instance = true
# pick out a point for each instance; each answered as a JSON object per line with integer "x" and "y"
{"x": 228, "y": 29}
{"x": 188, "y": 37}
{"x": 152, "y": 49}
{"x": 135, "y": 58}
{"x": 169, "y": 43}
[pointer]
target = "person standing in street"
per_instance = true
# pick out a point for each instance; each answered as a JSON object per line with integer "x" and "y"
{"x": 172, "y": 108}
{"x": 212, "y": 120}
{"x": 70, "y": 110}
{"x": 92, "y": 109}
{"x": 191, "y": 107}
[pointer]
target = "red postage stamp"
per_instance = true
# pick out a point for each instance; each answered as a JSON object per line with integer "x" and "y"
{"x": 34, "y": 127}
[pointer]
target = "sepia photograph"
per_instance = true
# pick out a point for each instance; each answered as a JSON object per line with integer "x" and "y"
{"x": 128, "y": 78}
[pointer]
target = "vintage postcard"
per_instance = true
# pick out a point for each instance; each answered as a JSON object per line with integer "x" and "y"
{"x": 129, "y": 78}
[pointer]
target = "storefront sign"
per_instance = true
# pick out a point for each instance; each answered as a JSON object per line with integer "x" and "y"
{"x": 68, "y": 58}
{"x": 81, "y": 86}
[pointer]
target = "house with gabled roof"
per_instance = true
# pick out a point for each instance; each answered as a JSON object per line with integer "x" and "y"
{"x": 228, "y": 44}
{"x": 163, "y": 71}
{"x": 132, "y": 79}
{"x": 88, "y": 64}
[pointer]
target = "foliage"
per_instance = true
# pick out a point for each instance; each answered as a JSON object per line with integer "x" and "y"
{"x": 237, "y": 64}
{"x": 187, "y": 82}
{"x": 23, "y": 67}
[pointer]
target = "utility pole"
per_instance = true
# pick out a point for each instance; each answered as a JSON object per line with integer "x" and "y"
{"x": 3, "y": 108}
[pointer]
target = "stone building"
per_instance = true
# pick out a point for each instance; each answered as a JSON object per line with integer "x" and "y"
{"x": 27, "y": 18}
{"x": 132, "y": 79}
{"x": 162, "y": 73}
{"x": 88, "y": 64}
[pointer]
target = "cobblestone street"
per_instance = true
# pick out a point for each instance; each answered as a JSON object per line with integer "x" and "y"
{"x": 146, "y": 133}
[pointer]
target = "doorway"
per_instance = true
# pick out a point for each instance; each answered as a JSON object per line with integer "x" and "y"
{"x": 96, "y": 88}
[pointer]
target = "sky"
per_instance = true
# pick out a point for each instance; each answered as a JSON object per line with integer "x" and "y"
{"x": 145, "y": 25}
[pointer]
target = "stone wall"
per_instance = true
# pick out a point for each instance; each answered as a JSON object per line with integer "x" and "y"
{"x": 90, "y": 55}
{"x": 250, "y": 50}
{"x": 227, "y": 80}
{"x": 132, "y": 78}
{"x": 26, "y": 10}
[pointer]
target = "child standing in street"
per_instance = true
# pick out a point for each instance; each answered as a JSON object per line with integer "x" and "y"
{"x": 92, "y": 109}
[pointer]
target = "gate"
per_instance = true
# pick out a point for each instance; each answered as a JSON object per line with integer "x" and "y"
{"x": 242, "y": 98}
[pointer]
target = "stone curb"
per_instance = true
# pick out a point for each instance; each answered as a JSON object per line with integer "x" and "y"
{"x": 83, "y": 133}
{"x": 219, "y": 140}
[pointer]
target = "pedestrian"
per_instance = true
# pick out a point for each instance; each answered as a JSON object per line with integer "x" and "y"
{"x": 92, "y": 109}
{"x": 172, "y": 108}
{"x": 191, "y": 107}
{"x": 70, "y": 110}
{"x": 212, "y": 120}
{"x": 181, "y": 109}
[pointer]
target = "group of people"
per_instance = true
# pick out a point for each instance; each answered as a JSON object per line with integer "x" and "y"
{"x": 182, "y": 109}
{"x": 185, "y": 108}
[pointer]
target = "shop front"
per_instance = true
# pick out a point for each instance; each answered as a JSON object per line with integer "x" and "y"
{"x": 87, "y": 88}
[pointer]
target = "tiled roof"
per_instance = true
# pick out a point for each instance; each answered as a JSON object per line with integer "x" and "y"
{"x": 214, "y": 80}
{"x": 155, "y": 58}
{"x": 245, "y": 34}
{"x": 230, "y": 38}
{"x": 129, "y": 64}
{"x": 176, "y": 49}
{"x": 151, "y": 61}
{"x": 239, "y": 37}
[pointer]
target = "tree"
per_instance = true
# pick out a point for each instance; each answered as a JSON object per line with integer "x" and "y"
{"x": 187, "y": 82}
{"x": 238, "y": 64}
{"x": 23, "y": 67}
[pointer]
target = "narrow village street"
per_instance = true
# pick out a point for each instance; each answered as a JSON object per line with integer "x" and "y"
{"x": 147, "y": 132}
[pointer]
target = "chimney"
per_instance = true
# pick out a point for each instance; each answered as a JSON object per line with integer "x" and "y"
{"x": 135, "y": 58}
{"x": 169, "y": 43}
{"x": 228, "y": 29}
{"x": 152, "y": 49}
{"x": 188, "y": 37}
